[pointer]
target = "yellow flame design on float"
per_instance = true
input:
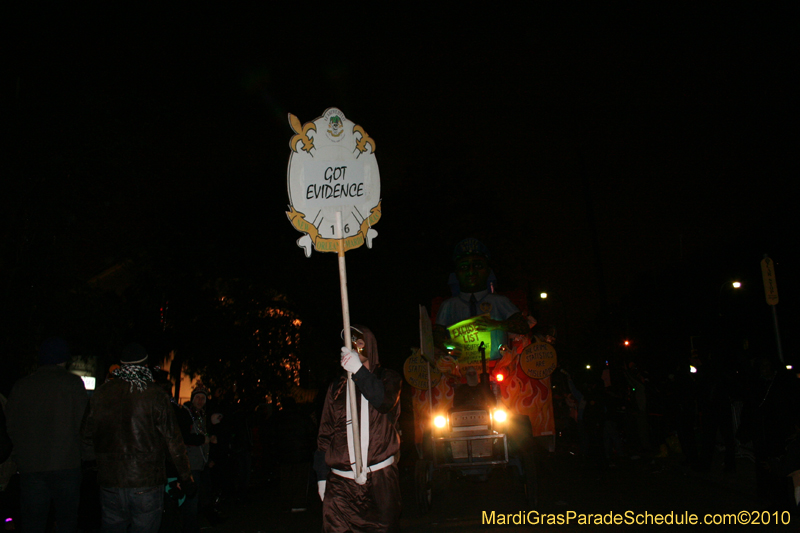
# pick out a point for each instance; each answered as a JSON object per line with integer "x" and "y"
{"x": 442, "y": 396}
{"x": 524, "y": 395}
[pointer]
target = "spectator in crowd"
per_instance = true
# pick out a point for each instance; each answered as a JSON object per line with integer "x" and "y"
{"x": 292, "y": 440}
{"x": 770, "y": 419}
{"x": 44, "y": 414}
{"x": 194, "y": 429}
{"x": 130, "y": 427}
{"x": 5, "y": 440}
{"x": 174, "y": 498}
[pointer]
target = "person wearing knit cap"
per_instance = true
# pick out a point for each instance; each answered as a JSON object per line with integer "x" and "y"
{"x": 194, "y": 428}
{"x": 134, "y": 369}
{"x": 44, "y": 414}
{"x": 131, "y": 428}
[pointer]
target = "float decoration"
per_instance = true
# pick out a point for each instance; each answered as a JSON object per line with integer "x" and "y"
{"x": 538, "y": 359}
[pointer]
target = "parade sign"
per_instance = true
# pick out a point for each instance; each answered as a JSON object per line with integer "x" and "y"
{"x": 538, "y": 360}
{"x": 770, "y": 285}
{"x": 335, "y": 199}
{"x": 415, "y": 370}
{"x": 466, "y": 338}
{"x": 332, "y": 169}
{"x": 426, "y": 334}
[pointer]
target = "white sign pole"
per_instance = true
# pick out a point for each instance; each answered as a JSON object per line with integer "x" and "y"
{"x": 352, "y": 397}
{"x": 424, "y": 328}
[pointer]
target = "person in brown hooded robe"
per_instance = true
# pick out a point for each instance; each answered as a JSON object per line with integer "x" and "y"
{"x": 370, "y": 504}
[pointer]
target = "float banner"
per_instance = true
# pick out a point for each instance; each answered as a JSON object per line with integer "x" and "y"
{"x": 415, "y": 370}
{"x": 466, "y": 338}
{"x": 538, "y": 360}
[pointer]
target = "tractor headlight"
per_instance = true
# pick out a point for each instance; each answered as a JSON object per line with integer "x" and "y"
{"x": 440, "y": 421}
{"x": 500, "y": 416}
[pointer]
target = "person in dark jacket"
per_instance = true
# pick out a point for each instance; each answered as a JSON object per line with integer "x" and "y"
{"x": 5, "y": 440}
{"x": 293, "y": 441}
{"x": 44, "y": 414}
{"x": 194, "y": 429}
{"x": 130, "y": 426}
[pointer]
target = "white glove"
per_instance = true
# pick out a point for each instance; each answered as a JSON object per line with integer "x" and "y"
{"x": 321, "y": 489}
{"x": 350, "y": 360}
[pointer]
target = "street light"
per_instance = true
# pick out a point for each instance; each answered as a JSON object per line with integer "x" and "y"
{"x": 551, "y": 312}
{"x": 733, "y": 284}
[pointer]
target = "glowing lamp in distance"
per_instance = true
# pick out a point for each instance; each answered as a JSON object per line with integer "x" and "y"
{"x": 439, "y": 421}
{"x": 499, "y": 377}
{"x": 500, "y": 416}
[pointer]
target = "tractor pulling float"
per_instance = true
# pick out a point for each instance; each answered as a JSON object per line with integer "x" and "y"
{"x": 498, "y": 433}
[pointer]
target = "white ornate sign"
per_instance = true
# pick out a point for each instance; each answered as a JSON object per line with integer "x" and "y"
{"x": 332, "y": 168}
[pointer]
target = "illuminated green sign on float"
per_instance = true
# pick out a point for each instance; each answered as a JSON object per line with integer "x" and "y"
{"x": 466, "y": 338}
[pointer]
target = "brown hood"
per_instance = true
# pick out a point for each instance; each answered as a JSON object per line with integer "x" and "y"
{"x": 370, "y": 350}
{"x": 371, "y": 346}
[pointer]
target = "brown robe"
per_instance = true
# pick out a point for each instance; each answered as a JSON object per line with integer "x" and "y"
{"x": 374, "y": 506}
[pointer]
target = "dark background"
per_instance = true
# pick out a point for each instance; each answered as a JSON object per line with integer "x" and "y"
{"x": 628, "y": 159}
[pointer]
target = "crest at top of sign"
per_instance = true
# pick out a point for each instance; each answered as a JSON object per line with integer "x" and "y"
{"x": 332, "y": 168}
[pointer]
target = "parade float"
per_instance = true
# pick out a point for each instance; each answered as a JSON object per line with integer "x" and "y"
{"x": 506, "y": 432}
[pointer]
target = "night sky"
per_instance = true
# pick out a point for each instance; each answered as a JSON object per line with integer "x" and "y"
{"x": 625, "y": 158}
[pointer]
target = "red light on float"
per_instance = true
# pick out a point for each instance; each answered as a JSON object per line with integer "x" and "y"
{"x": 499, "y": 377}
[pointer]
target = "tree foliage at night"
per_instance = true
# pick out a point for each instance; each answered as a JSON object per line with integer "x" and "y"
{"x": 246, "y": 336}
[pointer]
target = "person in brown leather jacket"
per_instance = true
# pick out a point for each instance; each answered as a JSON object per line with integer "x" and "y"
{"x": 131, "y": 426}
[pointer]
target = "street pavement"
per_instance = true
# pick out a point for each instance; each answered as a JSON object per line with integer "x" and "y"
{"x": 633, "y": 485}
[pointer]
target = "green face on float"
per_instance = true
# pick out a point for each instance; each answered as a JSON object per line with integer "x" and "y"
{"x": 472, "y": 272}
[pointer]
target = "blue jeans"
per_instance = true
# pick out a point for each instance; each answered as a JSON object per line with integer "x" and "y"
{"x": 38, "y": 489}
{"x": 190, "y": 509}
{"x": 138, "y": 509}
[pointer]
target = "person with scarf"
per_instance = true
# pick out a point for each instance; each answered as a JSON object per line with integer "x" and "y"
{"x": 371, "y": 503}
{"x": 129, "y": 428}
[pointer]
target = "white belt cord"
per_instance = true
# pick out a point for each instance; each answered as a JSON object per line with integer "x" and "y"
{"x": 374, "y": 468}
